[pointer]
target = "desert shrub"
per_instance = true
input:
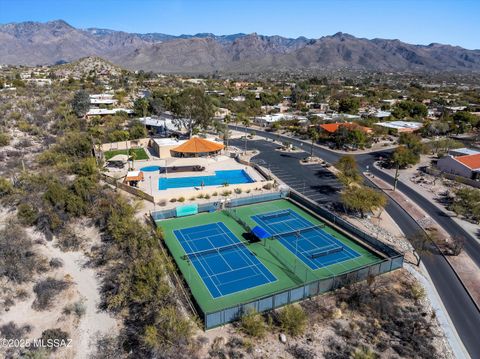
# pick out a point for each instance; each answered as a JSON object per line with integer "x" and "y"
{"x": 363, "y": 352}
{"x": 238, "y": 190}
{"x": 4, "y": 139}
{"x": 207, "y": 196}
{"x": 68, "y": 240}
{"x": 23, "y": 143}
{"x": 26, "y": 214}
{"x": 417, "y": 291}
{"x": 300, "y": 352}
{"x": 6, "y": 187}
{"x": 173, "y": 200}
{"x": 18, "y": 261}
{"x": 12, "y": 331}
{"x": 170, "y": 327}
{"x": 214, "y": 194}
{"x": 54, "y": 334}
{"x": 226, "y": 193}
{"x": 78, "y": 308}
{"x": 192, "y": 198}
{"x": 181, "y": 199}
{"x": 55, "y": 263}
{"x": 253, "y": 324}
{"x": 268, "y": 186}
{"x": 21, "y": 294}
{"x": 293, "y": 319}
{"x": 46, "y": 290}
{"x": 200, "y": 196}
{"x": 108, "y": 347}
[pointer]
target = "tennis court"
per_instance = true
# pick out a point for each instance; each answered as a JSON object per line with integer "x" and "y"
{"x": 225, "y": 267}
{"x": 223, "y": 262}
{"x": 315, "y": 247}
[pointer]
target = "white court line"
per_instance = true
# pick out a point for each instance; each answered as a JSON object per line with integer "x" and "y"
{"x": 303, "y": 220}
{"x": 249, "y": 260}
{"x": 205, "y": 284}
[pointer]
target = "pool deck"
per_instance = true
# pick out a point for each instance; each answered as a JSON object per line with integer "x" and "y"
{"x": 219, "y": 163}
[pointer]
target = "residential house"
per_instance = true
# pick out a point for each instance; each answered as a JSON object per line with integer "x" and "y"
{"x": 467, "y": 166}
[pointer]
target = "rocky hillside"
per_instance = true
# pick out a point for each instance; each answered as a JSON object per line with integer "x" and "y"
{"x": 32, "y": 43}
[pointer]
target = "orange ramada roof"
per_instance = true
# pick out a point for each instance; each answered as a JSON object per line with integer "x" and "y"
{"x": 333, "y": 127}
{"x": 471, "y": 161}
{"x": 198, "y": 145}
{"x": 134, "y": 176}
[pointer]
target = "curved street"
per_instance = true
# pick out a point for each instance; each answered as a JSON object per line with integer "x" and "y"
{"x": 320, "y": 185}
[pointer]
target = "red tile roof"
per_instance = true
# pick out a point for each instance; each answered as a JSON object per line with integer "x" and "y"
{"x": 471, "y": 161}
{"x": 333, "y": 127}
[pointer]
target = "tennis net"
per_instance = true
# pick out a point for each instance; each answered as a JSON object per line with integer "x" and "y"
{"x": 299, "y": 231}
{"x": 275, "y": 214}
{"x": 325, "y": 251}
{"x": 213, "y": 250}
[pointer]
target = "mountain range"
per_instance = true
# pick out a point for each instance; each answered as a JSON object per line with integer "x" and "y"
{"x": 34, "y": 43}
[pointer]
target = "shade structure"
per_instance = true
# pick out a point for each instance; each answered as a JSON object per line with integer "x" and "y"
{"x": 260, "y": 233}
{"x": 134, "y": 176}
{"x": 197, "y": 146}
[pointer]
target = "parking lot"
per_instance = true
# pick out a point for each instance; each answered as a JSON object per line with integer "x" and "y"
{"x": 314, "y": 181}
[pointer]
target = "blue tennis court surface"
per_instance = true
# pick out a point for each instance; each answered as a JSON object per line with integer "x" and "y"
{"x": 315, "y": 247}
{"x": 224, "y": 263}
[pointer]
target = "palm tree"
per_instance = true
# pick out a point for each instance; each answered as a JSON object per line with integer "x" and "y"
{"x": 245, "y": 120}
{"x": 133, "y": 156}
{"x": 314, "y": 136}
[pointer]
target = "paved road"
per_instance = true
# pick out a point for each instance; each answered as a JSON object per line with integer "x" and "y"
{"x": 472, "y": 247}
{"x": 462, "y": 311}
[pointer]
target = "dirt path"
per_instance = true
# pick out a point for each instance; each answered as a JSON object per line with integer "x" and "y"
{"x": 87, "y": 283}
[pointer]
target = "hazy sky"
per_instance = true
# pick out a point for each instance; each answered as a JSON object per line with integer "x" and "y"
{"x": 453, "y": 22}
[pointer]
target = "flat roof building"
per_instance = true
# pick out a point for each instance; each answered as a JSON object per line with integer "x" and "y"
{"x": 105, "y": 112}
{"x": 401, "y": 126}
{"x": 463, "y": 152}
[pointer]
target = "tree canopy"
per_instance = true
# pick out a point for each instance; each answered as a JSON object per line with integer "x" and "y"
{"x": 81, "y": 103}
{"x": 193, "y": 108}
{"x": 363, "y": 199}
{"x": 349, "y": 105}
{"x": 410, "y": 109}
{"x": 349, "y": 172}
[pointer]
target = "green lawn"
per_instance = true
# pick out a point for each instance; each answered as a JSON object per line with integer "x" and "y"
{"x": 278, "y": 259}
{"x": 141, "y": 154}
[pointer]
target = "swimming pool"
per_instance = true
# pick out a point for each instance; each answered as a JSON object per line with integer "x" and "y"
{"x": 150, "y": 168}
{"x": 220, "y": 178}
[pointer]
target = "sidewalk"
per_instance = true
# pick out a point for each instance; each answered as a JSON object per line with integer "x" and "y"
{"x": 432, "y": 191}
{"x": 464, "y": 267}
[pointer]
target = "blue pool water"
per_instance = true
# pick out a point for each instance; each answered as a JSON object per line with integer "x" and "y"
{"x": 220, "y": 178}
{"x": 150, "y": 168}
